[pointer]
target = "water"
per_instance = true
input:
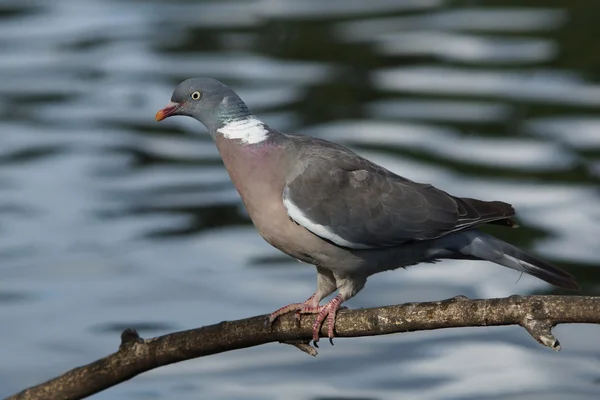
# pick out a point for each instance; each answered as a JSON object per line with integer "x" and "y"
{"x": 109, "y": 220}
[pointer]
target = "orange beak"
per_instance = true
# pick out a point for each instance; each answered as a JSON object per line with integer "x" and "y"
{"x": 167, "y": 111}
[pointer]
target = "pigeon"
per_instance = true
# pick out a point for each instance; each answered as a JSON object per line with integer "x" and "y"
{"x": 325, "y": 205}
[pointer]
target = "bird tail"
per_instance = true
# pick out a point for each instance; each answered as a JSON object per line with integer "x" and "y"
{"x": 478, "y": 245}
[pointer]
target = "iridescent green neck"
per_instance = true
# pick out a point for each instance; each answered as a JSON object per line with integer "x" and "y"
{"x": 232, "y": 109}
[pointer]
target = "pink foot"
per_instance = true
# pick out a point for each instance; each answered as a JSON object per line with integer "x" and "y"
{"x": 301, "y": 308}
{"x": 327, "y": 311}
{"x": 308, "y": 310}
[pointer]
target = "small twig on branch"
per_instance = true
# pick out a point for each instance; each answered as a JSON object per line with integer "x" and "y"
{"x": 537, "y": 314}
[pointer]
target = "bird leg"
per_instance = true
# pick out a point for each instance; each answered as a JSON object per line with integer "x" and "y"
{"x": 348, "y": 287}
{"x": 307, "y": 307}
{"x": 308, "y": 310}
{"x": 327, "y": 311}
{"x": 325, "y": 286}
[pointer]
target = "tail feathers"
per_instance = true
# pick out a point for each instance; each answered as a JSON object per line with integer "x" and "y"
{"x": 486, "y": 247}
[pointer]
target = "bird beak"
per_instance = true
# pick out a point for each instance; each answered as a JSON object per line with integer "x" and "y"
{"x": 167, "y": 111}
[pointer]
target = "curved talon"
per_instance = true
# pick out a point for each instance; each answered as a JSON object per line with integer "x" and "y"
{"x": 331, "y": 340}
{"x": 315, "y": 343}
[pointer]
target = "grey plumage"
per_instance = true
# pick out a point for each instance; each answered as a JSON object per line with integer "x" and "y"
{"x": 481, "y": 246}
{"x": 323, "y": 204}
{"x": 369, "y": 206}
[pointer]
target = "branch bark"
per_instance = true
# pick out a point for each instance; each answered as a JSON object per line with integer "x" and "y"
{"x": 537, "y": 314}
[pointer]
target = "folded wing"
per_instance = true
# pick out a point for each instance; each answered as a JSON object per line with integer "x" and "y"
{"x": 354, "y": 203}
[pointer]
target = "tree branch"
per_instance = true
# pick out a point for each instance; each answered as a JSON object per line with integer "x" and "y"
{"x": 537, "y": 314}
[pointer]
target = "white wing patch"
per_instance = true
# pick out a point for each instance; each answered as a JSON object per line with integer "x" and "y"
{"x": 250, "y": 130}
{"x": 320, "y": 230}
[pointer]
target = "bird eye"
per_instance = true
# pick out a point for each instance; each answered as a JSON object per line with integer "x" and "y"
{"x": 196, "y": 96}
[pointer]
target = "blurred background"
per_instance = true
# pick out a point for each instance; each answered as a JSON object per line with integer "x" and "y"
{"x": 109, "y": 220}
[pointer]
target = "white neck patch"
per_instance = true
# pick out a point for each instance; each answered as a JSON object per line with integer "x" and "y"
{"x": 250, "y": 130}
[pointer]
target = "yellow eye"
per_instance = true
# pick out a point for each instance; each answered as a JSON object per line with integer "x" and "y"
{"x": 196, "y": 96}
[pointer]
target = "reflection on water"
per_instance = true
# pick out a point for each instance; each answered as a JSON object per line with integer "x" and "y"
{"x": 108, "y": 220}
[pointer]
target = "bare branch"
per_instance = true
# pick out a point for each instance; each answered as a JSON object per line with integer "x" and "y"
{"x": 537, "y": 314}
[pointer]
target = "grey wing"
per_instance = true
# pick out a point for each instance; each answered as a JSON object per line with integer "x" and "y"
{"x": 360, "y": 205}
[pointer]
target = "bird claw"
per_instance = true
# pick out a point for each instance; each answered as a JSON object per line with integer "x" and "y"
{"x": 315, "y": 341}
{"x": 325, "y": 312}
{"x": 308, "y": 307}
